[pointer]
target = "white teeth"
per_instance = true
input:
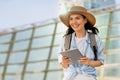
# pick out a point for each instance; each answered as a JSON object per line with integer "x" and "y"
{"x": 75, "y": 25}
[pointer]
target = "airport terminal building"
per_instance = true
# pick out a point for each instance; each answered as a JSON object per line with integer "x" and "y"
{"x": 29, "y": 52}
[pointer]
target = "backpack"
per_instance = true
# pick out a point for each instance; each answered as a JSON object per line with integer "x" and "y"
{"x": 92, "y": 43}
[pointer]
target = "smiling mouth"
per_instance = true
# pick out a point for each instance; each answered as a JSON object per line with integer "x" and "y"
{"x": 75, "y": 26}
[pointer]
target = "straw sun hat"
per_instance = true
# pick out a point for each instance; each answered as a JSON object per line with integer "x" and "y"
{"x": 78, "y": 9}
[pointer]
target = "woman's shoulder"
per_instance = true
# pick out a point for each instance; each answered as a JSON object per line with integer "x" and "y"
{"x": 97, "y": 37}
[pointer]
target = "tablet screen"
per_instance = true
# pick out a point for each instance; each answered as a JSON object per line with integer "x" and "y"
{"x": 74, "y": 54}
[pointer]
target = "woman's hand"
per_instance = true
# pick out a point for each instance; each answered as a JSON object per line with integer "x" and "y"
{"x": 65, "y": 61}
{"x": 84, "y": 60}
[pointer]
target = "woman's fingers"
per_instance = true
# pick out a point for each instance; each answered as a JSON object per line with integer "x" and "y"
{"x": 66, "y": 58}
{"x": 83, "y": 60}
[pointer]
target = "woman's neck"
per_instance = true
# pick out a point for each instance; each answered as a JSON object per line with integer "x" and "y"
{"x": 80, "y": 34}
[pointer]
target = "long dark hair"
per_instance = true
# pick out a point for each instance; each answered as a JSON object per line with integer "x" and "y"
{"x": 87, "y": 26}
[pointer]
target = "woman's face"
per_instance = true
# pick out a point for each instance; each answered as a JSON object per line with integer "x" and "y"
{"x": 77, "y": 22}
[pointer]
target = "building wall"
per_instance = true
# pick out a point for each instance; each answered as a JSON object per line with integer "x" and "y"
{"x": 31, "y": 54}
{"x": 89, "y": 4}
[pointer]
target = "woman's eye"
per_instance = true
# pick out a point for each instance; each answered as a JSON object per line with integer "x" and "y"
{"x": 77, "y": 18}
{"x": 70, "y": 18}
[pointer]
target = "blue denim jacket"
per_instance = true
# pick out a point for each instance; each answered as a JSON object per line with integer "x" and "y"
{"x": 73, "y": 70}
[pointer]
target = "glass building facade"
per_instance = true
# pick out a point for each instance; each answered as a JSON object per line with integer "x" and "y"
{"x": 31, "y": 53}
{"x": 89, "y": 4}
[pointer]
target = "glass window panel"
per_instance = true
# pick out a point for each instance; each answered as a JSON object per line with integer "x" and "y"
{"x": 113, "y": 44}
{"x": 3, "y": 58}
{"x": 14, "y": 68}
{"x": 4, "y": 47}
{"x": 116, "y": 16}
{"x": 102, "y": 19}
{"x": 54, "y": 52}
{"x": 98, "y": 71}
{"x": 102, "y": 31}
{"x": 45, "y": 30}
{"x": 115, "y": 30}
{"x": 5, "y": 38}
{"x": 34, "y": 76}
{"x": 58, "y": 75}
{"x": 112, "y": 71}
{"x": 113, "y": 58}
{"x": 39, "y": 54}
{"x": 23, "y": 35}
{"x": 40, "y": 42}
{"x": 54, "y": 65}
{"x": 12, "y": 77}
{"x": 0, "y": 77}
{"x": 1, "y": 69}
{"x": 61, "y": 28}
{"x": 36, "y": 66}
{"x": 55, "y": 56}
{"x": 21, "y": 45}
{"x": 58, "y": 39}
{"x": 17, "y": 57}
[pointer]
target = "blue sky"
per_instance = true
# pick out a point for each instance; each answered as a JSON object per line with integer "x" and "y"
{"x": 14, "y": 13}
{"x": 19, "y": 12}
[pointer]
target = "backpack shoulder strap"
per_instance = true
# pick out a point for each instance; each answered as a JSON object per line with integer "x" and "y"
{"x": 67, "y": 41}
{"x": 93, "y": 44}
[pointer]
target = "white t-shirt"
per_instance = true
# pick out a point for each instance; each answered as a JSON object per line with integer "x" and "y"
{"x": 80, "y": 43}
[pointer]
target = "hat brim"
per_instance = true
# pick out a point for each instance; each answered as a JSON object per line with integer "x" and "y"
{"x": 65, "y": 17}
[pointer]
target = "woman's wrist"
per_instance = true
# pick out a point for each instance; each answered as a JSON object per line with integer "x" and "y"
{"x": 64, "y": 65}
{"x": 89, "y": 63}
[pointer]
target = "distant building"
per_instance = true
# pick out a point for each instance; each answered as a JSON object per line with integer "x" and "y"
{"x": 101, "y": 3}
{"x": 64, "y": 5}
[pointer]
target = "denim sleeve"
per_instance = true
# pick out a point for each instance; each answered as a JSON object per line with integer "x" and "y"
{"x": 100, "y": 48}
{"x": 61, "y": 48}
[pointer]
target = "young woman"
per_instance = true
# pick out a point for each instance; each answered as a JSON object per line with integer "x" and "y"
{"x": 79, "y": 22}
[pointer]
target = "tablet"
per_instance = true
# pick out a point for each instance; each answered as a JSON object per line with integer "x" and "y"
{"x": 74, "y": 54}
